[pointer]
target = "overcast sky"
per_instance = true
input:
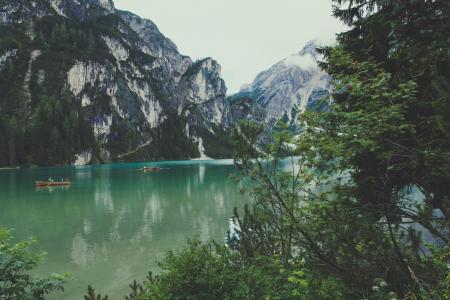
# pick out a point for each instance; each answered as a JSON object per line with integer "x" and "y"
{"x": 244, "y": 36}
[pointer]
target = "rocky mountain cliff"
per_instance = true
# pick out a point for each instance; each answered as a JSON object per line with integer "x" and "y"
{"x": 291, "y": 86}
{"x": 83, "y": 82}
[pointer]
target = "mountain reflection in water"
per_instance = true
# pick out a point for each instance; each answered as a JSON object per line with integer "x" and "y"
{"x": 115, "y": 221}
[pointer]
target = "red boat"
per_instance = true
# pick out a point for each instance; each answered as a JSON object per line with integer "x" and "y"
{"x": 150, "y": 169}
{"x": 52, "y": 183}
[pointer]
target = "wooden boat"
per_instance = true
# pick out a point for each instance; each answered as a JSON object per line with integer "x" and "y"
{"x": 52, "y": 183}
{"x": 150, "y": 169}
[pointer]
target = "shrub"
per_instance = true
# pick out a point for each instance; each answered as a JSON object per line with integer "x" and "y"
{"x": 16, "y": 262}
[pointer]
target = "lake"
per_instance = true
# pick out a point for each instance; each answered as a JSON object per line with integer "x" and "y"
{"x": 114, "y": 221}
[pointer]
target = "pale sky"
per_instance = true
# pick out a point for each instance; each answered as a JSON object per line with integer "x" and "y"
{"x": 244, "y": 36}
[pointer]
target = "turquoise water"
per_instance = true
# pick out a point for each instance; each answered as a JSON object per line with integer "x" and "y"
{"x": 114, "y": 221}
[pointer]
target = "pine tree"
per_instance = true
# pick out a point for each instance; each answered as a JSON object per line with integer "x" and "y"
{"x": 409, "y": 39}
{"x": 91, "y": 41}
{"x": 12, "y": 137}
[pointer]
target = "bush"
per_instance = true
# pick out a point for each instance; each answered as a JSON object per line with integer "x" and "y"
{"x": 211, "y": 271}
{"x": 16, "y": 262}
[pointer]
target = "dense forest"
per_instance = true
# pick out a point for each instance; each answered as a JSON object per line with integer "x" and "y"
{"x": 42, "y": 123}
{"x": 53, "y": 121}
{"x": 363, "y": 211}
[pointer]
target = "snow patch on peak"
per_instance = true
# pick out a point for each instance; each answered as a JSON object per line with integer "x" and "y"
{"x": 295, "y": 82}
{"x": 305, "y": 62}
{"x": 311, "y": 46}
{"x": 323, "y": 41}
{"x": 326, "y": 40}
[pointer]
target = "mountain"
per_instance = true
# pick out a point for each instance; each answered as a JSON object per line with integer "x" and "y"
{"x": 291, "y": 86}
{"x": 83, "y": 82}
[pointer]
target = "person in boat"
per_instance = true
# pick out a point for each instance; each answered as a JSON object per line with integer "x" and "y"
{"x": 150, "y": 168}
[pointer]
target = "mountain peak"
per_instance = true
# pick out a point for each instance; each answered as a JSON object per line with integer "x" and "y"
{"x": 83, "y": 9}
{"x": 24, "y": 11}
{"x": 105, "y": 4}
{"x": 294, "y": 84}
{"x": 311, "y": 46}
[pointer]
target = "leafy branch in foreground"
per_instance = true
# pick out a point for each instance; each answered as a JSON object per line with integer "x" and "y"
{"x": 334, "y": 202}
{"x": 16, "y": 263}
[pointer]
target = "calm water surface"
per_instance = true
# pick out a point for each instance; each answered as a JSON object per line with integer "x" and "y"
{"x": 111, "y": 225}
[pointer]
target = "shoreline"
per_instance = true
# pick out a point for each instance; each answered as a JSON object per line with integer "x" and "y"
{"x": 200, "y": 159}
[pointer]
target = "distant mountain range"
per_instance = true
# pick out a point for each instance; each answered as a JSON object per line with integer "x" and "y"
{"x": 291, "y": 86}
{"x": 82, "y": 82}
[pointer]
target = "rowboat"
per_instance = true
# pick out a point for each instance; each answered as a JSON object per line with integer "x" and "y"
{"x": 150, "y": 169}
{"x": 52, "y": 183}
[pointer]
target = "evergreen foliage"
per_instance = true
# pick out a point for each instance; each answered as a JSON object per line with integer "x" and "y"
{"x": 65, "y": 131}
{"x": 217, "y": 143}
{"x": 409, "y": 41}
{"x": 167, "y": 142}
{"x": 50, "y": 128}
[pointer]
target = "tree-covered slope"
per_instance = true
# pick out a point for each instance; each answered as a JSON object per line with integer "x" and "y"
{"x": 81, "y": 82}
